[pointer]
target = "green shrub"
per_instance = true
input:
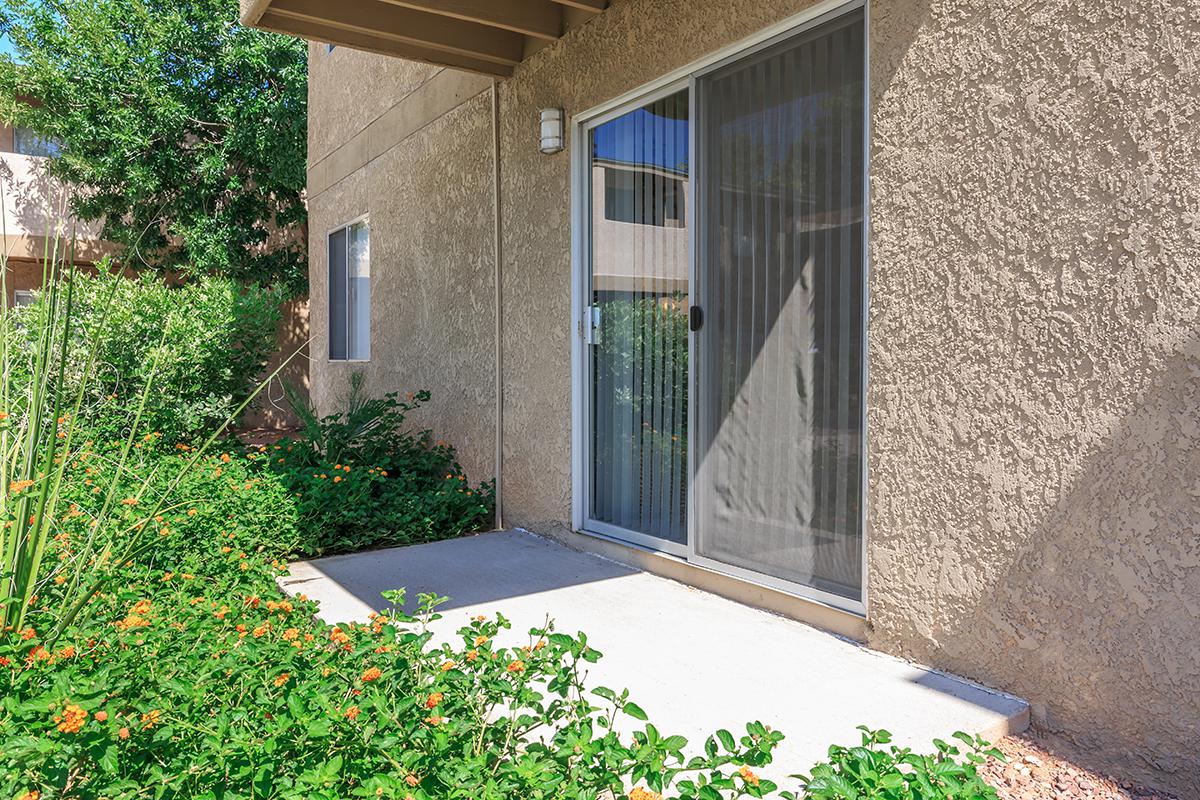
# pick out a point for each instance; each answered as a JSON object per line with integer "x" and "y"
{"x": 362, "y": 480}
{"x": 190, "y": 686}
{"x": 202, "y": 344}
{"x": 897, "y": 773}
{"x": 224, "y": 496}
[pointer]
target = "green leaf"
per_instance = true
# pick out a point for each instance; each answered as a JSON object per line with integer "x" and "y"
{"x": 635, "y": 711}
{"x": 108, "y": 760}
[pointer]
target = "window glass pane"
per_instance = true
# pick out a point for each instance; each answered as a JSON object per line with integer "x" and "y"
{"x": 781, "y": 371}
{"x": 28, "y": 143}
{"x": 337, "y": 295}
{"x": 359, "y": 291}
{"x": 639, "y": 290}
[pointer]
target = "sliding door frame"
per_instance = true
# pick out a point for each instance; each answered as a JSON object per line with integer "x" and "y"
{"x": 582, "y": 292}
{"x": 581, "y": 246}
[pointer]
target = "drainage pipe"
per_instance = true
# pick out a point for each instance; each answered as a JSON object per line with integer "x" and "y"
{"x": 498, "y": 253}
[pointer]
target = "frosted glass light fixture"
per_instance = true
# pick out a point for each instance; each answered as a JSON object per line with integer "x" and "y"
{"x": 552, "y": 130}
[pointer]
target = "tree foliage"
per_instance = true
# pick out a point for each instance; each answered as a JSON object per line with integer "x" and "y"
{"x": 183, "y": 131}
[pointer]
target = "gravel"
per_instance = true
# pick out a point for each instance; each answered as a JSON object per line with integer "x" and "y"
{"x": 1034, "y": 773}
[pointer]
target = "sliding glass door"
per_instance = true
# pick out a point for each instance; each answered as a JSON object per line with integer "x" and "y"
{"x": 637, "y": 322}
{"x": 780, "y": 378}
{"x": 766, "y": 292}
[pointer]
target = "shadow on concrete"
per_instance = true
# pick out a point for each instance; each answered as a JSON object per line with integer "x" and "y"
{"x": 471, "y": 570}
{"x": 695, "y": 661}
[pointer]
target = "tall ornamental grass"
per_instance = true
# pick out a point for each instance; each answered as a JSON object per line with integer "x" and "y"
{"x": 41, "y": 413}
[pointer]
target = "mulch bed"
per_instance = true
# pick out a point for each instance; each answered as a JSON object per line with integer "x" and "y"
{"x": 256, "y": 437}
{"x": 1035, "y": 773}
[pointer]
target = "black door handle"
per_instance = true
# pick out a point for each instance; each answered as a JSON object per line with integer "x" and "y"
{"x": 695, "y": 318}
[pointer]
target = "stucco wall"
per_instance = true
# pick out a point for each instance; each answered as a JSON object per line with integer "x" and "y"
{"x": 1033, "y": 330}
{"x": 429, "y": 200}
{"x": 1034, "y": 409}
{"x": 36, "y": 209}
{"x": 353, "y": 89}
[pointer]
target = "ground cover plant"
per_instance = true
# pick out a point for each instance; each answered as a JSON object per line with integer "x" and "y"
{"x": 872, "y": 770}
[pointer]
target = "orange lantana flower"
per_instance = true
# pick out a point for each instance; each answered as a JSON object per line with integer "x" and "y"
{"x": 644, "y": 794}
{"x": 72, "y": 719}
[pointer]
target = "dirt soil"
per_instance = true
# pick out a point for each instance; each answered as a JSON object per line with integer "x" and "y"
{"x": 1033, "y": 772}
{"x": 256, "y": 437}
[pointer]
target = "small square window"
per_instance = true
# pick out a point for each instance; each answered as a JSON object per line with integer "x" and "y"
{"x": 28, "y": 143}
{"x": 350, "y": 293}
{"x": 23, "y": 297}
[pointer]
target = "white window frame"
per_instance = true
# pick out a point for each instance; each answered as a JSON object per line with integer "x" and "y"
{"x": 581, "y": 126}
{"x": 365, "y": 221}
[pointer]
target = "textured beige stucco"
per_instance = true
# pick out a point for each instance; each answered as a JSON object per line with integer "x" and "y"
{"x": 429, "y": 200}
{"x": 1034, "y": 329}
{"x": 353, "y": 89}
{"x": 1034, "y": 408}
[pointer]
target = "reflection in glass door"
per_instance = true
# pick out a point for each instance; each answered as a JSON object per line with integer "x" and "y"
{"x": 638, "y": 323}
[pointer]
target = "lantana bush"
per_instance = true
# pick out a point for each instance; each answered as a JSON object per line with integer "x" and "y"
{"x": 362, "y": 478}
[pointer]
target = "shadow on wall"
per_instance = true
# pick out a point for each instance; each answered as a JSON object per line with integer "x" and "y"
{"x": 1099, "y": 608}
{"x": 36, "y": 205}
{"x": 271, "y": 409}
{"x": 1034, "y": 406}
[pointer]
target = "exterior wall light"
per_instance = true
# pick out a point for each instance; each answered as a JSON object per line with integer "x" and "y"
{"x": 552, "y": 130}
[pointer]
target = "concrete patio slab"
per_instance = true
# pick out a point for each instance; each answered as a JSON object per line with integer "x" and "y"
{"x": 694, "y": 661}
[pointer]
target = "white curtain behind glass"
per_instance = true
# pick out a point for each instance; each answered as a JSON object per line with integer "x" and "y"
{"x": 359, "y": 291}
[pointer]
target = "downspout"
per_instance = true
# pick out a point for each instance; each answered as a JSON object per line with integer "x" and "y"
{"x": 498, "y": 253}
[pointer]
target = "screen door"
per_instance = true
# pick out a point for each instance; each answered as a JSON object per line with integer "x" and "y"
{"x": 780, "y": 276}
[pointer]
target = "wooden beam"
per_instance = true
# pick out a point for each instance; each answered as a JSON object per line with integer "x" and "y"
{"x": 384, "y": 20}
{"x": 374, "y": 44}
{"x": 541, "y": 19}
{"x": 594, "y": 6}
{"x": 250, "y": 11}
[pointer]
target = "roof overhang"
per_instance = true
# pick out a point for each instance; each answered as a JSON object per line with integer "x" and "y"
{"x": 485, "y": 36}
